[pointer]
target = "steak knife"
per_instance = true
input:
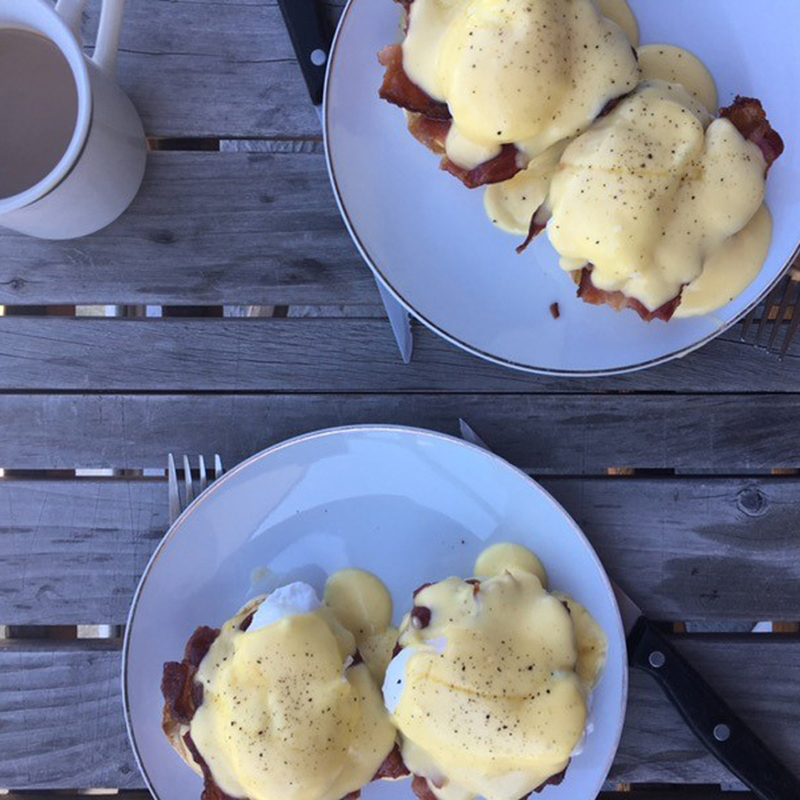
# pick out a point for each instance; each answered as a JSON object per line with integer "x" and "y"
{"x": 312, "y": 41}
{"x": 728, "y": 739}
{"x": 706, "y": 713}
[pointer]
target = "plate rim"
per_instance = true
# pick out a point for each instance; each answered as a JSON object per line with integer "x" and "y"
{"x": 413, "y": 432}
{"x": 452, "y": 338}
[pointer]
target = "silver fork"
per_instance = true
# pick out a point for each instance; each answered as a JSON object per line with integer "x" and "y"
{"x": 178, "y": 503}
{"x": 786, "y": 297}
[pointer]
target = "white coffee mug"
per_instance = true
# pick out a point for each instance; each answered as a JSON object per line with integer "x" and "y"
{"x": 102, "y": 168}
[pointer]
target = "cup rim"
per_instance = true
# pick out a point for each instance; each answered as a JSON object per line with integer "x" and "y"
{"x": 46, "y": 22}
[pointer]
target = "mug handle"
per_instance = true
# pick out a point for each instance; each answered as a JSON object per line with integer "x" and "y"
{"x": 107, "y": 45}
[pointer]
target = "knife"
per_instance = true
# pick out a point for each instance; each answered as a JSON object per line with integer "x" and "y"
{"x": 715, "y": 725}
{"x": 311, "y": 40}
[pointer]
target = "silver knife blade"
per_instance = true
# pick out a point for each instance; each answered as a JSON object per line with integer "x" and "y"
{"x": 468, "y": 435}
{"x": 628, "y": 610}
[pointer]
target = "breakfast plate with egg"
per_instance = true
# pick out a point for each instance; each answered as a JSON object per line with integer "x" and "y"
{"x": 569, "y": 187}
{"x": 375, "y": 611}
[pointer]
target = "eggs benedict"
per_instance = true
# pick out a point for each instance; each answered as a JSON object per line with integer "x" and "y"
{"x": 490, "y": 684}
{"x": 280, "y": 702}
{"x": 491, "y": 85}
{"x": 659, "y": 205}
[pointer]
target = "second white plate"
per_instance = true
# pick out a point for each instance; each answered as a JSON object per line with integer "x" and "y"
{"x": 409, "y": 505}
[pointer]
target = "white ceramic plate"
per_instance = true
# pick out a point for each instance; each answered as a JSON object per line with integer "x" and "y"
{"x": 428, "y": 240}
{"x": 409, "y": 505}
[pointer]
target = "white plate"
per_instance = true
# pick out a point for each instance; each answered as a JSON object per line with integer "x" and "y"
{"x": 428, "y": 239}
{"x": 409, "y": 505}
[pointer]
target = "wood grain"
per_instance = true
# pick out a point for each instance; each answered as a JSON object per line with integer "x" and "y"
{"x": 543, "y": 434}
{"x": 72, "y": 551}
{"x": 210, "y": 228}
{"x": 218, "y": 68}
{"x": 337, "y": 355}
{"x": 63, "y": 725}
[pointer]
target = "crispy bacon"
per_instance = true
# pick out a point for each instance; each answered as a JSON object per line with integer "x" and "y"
{"x": 397, "y": 88}
{"x": 431, "y": 132}
{"x": 393, "y": 766}
{"x": 429, "y": 122}
{"x": 749, "y": 118}
{"x": 421, "y": 788}
{"x": 534, "y": 230}
{"x": 182, "y": 695}
{"x": 589, "y": 293}
{"x": 500, "y": 168}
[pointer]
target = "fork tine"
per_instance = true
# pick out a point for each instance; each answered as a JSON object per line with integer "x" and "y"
{"x": 776, "y": 327}
{"x": 203, "y": 477}
{"x": 748, "y": 323}
{"x": 771, "y": 300}
{"x": 172, "y": 489}
{"x": 218, "y": 469}
{"x": 787, "y": 339}
{"x": 187, "y": 480}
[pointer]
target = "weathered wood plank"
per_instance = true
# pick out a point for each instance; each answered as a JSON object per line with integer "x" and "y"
{"x": 557, "y": 434}
{"x": 716, "y": 549}
{"x": 220, "y": 68}
{"x": 63, "y": 723}
{"x": 341, "y": 355}
{"x": 210, "y": 228}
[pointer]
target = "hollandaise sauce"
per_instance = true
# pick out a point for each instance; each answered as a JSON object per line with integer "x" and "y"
{"x": 491, "y": 687}
{"x": 288, "y": 710}
{"x": 651, "y": 191}
{"x": 523, "y": 72}
{"x": 658, "y": 195}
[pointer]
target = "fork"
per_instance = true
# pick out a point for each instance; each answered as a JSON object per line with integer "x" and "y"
{"x": 786, "y": 296}
{"x": 189, "y": 487}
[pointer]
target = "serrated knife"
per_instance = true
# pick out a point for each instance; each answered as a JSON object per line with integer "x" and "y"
{"x": 724, "y": 734}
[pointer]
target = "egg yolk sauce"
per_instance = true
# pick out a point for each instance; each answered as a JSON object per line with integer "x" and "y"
{"x": 288, "y": 709}
{"x": 651, "y": 191}
{"x": 490, "y": 689}
{"x": 659, "y": 197}
{"x": 522, "y": 72}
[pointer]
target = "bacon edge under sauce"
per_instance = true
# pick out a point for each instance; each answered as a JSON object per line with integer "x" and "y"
{"x": 183, "y": 696}
{"x": 429, "y": 122}
{"x": 748, "y": 117}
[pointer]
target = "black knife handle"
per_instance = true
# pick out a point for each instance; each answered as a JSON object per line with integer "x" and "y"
{"x": 707, "y": 714}
{"x": 311, "y": 41}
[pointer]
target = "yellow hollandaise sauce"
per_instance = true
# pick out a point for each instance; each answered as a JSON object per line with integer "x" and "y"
{"x": 523, "y": 72}
{"x": 493, "y": 695}
{"x": 363, "y": 605}
{"x": 658, "y": 193}
{"x": 651, "y": 191}
{"x": 511, "y": 204}
{"x": 285, "y": 712}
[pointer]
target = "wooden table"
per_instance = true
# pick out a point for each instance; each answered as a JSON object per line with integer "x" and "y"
{"x": 684, "y": 477}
